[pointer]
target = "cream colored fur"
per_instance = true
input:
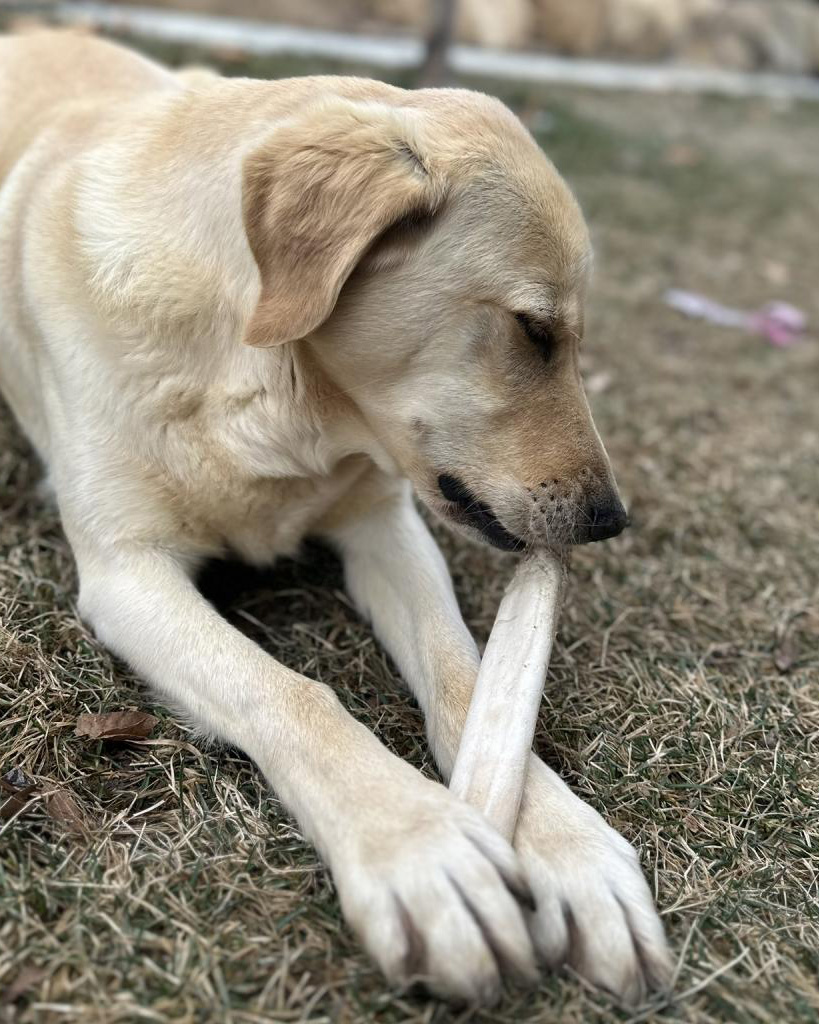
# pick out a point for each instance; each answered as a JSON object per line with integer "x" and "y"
{"x": 235, "y": 313}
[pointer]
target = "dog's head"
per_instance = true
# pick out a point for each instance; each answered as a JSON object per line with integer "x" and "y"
{"x": 436, "y": 262}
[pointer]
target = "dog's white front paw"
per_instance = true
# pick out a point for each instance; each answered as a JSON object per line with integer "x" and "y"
{"x": 435, "y": 894}
{"x": 594, "y": 908}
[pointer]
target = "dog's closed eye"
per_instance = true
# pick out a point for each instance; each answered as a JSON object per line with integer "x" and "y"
{"x": 541, "y": 335}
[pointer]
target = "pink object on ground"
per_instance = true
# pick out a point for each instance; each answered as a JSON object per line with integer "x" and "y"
{"x": 780, "y": 322}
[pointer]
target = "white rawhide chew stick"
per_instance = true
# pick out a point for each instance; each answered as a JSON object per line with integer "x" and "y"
{"x": 493, "y": 758}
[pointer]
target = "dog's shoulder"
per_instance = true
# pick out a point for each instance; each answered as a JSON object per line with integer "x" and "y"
{"x": 51, "y": 76}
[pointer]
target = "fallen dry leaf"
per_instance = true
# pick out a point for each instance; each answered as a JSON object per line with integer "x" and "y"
{"x": 19, "y": 788}
{"x": 65, "y": 808}
{"x": 116, "y": 725}
{"x": 26, "y": 979}
{"x": 17, "y": 779}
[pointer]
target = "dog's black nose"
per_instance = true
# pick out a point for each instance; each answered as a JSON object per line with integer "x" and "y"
{"x": 606, "y": 519}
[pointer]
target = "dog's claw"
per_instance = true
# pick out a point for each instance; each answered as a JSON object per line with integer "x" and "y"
{"x": 594, "y": 912}
{"x": 429, "y": 893}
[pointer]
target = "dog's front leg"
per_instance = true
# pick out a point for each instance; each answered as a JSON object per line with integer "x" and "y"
{"x": 594, "y": 908}
{"x": 423, "y": 879}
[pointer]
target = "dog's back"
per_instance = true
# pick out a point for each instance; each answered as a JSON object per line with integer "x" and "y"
{"x": 42, "y": 73}
{"x": 56, "y": 91}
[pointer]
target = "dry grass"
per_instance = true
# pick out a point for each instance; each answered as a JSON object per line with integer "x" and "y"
{"x": 684, "y": 697}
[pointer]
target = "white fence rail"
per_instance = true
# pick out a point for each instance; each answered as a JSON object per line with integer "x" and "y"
{"x": 266, "y": 39}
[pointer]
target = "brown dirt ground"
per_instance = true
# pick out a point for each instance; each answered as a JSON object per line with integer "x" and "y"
{"x": 684, "y": 696}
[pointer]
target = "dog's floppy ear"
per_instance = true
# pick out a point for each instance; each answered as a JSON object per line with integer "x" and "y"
{"x": 315, "y": 195}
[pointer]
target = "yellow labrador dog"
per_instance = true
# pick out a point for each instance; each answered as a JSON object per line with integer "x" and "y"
{"x": 237, "y": 313}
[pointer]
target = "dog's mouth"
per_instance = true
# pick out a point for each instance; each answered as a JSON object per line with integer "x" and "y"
{"x": 465, "y": 509}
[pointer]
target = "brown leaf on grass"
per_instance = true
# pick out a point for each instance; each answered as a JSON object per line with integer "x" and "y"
{"x": 116, "y": 725}
{"x": 60, "y": 804}
{"x": 65, "y": 808}
{"x": 19, "y": 787}
{"x": 15, "y": 780}
{"x": 26, "y": 979}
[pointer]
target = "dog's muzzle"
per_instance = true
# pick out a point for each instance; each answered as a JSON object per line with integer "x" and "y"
{"x": 468, "y": 510}
{"x": 560, "y": 519}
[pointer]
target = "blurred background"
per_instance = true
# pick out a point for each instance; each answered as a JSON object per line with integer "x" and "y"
{"x": 160, "y": 880}
{"x": 745, "y": 34}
